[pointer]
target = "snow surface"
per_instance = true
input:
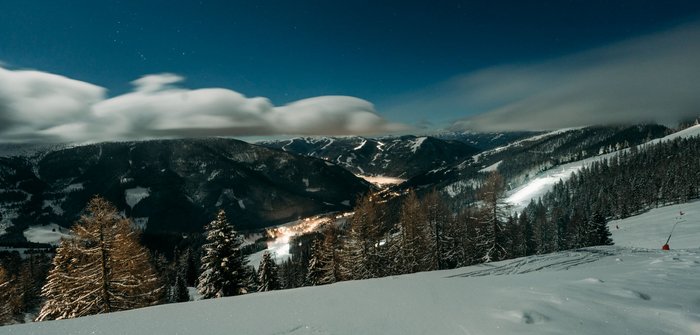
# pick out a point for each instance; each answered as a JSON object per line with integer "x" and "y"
{"x": 685, "y": 133}
{"x": 651, "y": 229}
{"x": 55, "y": 205}
{"x": 361, "y": 145}
{"x": 51, "y": 233}
{"x": 492, "y": 167}
{"x": 543, "y": 182}
{"x": 417, "y": 143}
{"x": 74, "y": 188}
{"x": 382, "y": 181}
{"x": 278, "y": 249}
{"x": 604, "y": 290}
{"x": 134, "y": 195}
{"x": 601, "y": 290}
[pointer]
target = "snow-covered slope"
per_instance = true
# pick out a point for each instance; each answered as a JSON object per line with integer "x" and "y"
{"x": 651, "y": 229}
{"x": 606, "y": 290}
{"x": 544, "y": 181}
{"x": 601, "y": 290}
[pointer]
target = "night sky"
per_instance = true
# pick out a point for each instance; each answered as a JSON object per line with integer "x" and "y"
{"x": 400, "y": 57}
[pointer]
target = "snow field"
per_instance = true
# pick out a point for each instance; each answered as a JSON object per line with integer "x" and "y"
{"x": 51, "y": 233}
{"x": 651, "y": 229}
{"x": 382, "y": 181}
{"x": 604, "y": 290}
{"x": 134, "y": 195}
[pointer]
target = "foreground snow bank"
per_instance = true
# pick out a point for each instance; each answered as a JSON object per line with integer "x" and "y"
{"x": 604, "y": 290}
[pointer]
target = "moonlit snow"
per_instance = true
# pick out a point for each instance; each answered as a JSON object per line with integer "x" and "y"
{"x": 626, "y": 289}
{"x": 51, "y": 234}
{"x": 543, "y": 182}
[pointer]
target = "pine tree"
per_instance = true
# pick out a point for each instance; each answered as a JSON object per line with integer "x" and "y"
{"x": 454, "y": 243}
{"x": 31, "y": 278}
{"x": 362, "y": 253}
{"x": 493, "y": 213}
{"x": 187, "y": 265}
{"x": 223, "y": 264}
{"x": 417, "y": 252}
{"x": 5, "y": 290}
{"x": 267, "y": 274}
{"x": 179, "y": 292}
{"x": 315, "y": 270}
{"x": 438, "y": 218}
{"x": 599, "y": 234}
{"x": 330, "y": 257}
{"x": 103, "y": 269}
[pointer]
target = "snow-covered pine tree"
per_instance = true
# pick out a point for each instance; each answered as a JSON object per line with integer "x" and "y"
{"x": 103, "y": 269}
{"x": 438, "y": 219}
{"x": 223, "y": 264}
{"x": 599, "y": 234}
{"x": 416, "y": 252}
{"x": 186, "y": 264}
{"x": 267, "y": 274}
{"x": 315, "y": 270}
{"x": 493, "y": 213}
{"x": 325, "y": 262}
{"x": 178, "y": 291}
{"x": 362, "y": 255}
{"x": 5, "y": 290}
{"x": 330, "y": 257}
{"x": 251, "y": 284}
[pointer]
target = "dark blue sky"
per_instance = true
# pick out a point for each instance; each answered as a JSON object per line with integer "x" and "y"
{"x": 288, "y": 50}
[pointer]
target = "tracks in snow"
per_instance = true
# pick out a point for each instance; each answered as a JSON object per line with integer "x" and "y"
{"x": 551, "y": 262}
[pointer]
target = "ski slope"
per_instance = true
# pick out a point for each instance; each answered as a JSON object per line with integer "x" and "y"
{"x": 543, "y": 182}
{"x": 623, "y": 289}
{"x": 651, "y": 229}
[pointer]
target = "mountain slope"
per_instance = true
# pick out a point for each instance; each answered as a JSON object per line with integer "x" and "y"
{"x": 174, "y": 185}
{"x": 539, "y": 183}
{"x": 521, "y": 160}
{"x": 601, "y": 290}
{"x": 401, "y": 157}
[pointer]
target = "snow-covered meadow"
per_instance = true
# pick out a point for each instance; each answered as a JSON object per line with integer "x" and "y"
{"x": 51, "y": 234}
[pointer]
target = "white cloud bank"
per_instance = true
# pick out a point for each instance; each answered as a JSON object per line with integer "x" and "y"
{"x": 654, "y": 78}
{"x": 39, "y": 106}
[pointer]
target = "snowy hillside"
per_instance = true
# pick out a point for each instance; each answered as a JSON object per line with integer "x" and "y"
{"x": 602, "y": 290}
{"x": 544, "y": 181}
{"x": 651, "y": 229}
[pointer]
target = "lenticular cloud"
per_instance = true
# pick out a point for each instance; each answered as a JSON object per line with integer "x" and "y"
{"x": 39, "y": 106}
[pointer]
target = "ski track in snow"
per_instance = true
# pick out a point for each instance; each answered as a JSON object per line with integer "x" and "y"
{"x": 549, "y": 262}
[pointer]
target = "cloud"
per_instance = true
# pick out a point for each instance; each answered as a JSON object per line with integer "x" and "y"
{"x": 648, "y": 79}
{"x": 156, "y": 82}
{"x": 38, "y": 106}
{"x": 33, "y": 102}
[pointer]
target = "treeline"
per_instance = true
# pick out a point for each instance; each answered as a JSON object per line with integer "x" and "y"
{"x": 428, "y": 236}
